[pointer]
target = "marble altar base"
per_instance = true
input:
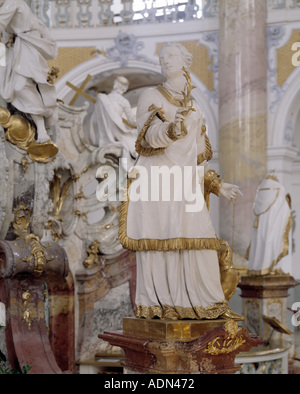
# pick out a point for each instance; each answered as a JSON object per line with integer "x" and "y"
{"x": 266, "y": 296}
{"x": 181, "y": 347}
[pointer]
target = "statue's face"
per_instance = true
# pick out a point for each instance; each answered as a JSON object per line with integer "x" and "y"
{"x": 119, "y": 87}
{"x": 171, "y": 60}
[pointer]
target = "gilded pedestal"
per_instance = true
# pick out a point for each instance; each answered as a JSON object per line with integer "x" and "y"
{"x": 181, "y": 347}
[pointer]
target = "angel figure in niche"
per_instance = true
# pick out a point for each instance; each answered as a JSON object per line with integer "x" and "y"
{"x": 113, "y": 120}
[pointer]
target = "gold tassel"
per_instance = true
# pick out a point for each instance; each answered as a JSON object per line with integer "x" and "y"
{"x": 256, "y": 222}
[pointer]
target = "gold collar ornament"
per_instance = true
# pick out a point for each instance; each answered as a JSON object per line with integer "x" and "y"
{"x": 185, "y": 102}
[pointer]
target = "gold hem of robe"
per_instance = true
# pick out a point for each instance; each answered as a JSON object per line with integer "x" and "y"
{"x": 181, "y": 313}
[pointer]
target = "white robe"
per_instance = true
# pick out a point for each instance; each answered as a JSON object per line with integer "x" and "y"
{"x": 179, "y": 270}
{"x": 107, "y": 126}
{"x": 270, "y": 239}
{"x": 23, "y": 81}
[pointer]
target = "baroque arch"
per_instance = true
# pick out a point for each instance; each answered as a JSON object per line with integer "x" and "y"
{"x": 96, "y": 67}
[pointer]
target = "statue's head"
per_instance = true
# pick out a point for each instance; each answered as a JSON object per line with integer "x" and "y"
{"x": 121, "y": 84}
{"x": 172, "y": 57}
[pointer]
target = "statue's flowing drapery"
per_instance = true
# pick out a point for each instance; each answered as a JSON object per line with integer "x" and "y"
{"x": 29, "y": 46}
{"x": 178, "y": 274}
{"x": 271, "y": 232}
{"x": 107, "y": 124}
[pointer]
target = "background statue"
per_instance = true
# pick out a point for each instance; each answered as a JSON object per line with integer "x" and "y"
{"x": 178, "y": 269}
{"x": 113, "y": 120}
{"x": 24, "y": 77}
{"x": 270, "y": 237}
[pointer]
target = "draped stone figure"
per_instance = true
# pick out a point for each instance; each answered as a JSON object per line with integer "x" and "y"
{"x": 113, "y": 120}
{"x": 177, "y": 250}
{"x": 271, "y": 232}
{"x": 24, "y": 75}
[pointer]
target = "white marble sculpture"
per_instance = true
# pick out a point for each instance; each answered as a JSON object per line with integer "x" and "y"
{"x": 271, "y": 232}
{"x": 178, "y": 273}
{"x": 24, "y": 76}
{"x": 113, "y": 120}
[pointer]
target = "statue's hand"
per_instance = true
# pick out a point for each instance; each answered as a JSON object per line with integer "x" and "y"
{"x": 181, "y": 115}
{"x": 231, "y": 192}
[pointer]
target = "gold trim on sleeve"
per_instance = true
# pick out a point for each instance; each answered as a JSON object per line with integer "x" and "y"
{"x": 171, "y": 132}
{"x": 212, "y": 184}
{"x": 207, "y": 154}
{"x": 149, "y": 151}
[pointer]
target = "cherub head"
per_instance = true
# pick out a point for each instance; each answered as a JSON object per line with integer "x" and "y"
{"x": 121, "y": 85}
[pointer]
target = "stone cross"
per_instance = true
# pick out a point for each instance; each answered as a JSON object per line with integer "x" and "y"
{"x": 80, "y": 91}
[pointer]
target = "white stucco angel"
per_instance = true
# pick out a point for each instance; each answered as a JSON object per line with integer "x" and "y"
{"x": 177, "y": 251}
{"x": 113, "y": 120}
{"x": 24, "y": 76}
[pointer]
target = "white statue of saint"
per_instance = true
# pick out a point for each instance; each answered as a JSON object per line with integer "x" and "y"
{"x": 113, "y": 120}
{"x": 24, "y": 75}
{"x": 271, "y": 232}
{"x": 178, "y": 271}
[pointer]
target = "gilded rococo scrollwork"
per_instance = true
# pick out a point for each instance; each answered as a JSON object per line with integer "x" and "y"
{"x": 93, "y": 255}
{"x": 228, "y": 345}
{"x": 20, "y": 132}
{"x": 37, "y": 254}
